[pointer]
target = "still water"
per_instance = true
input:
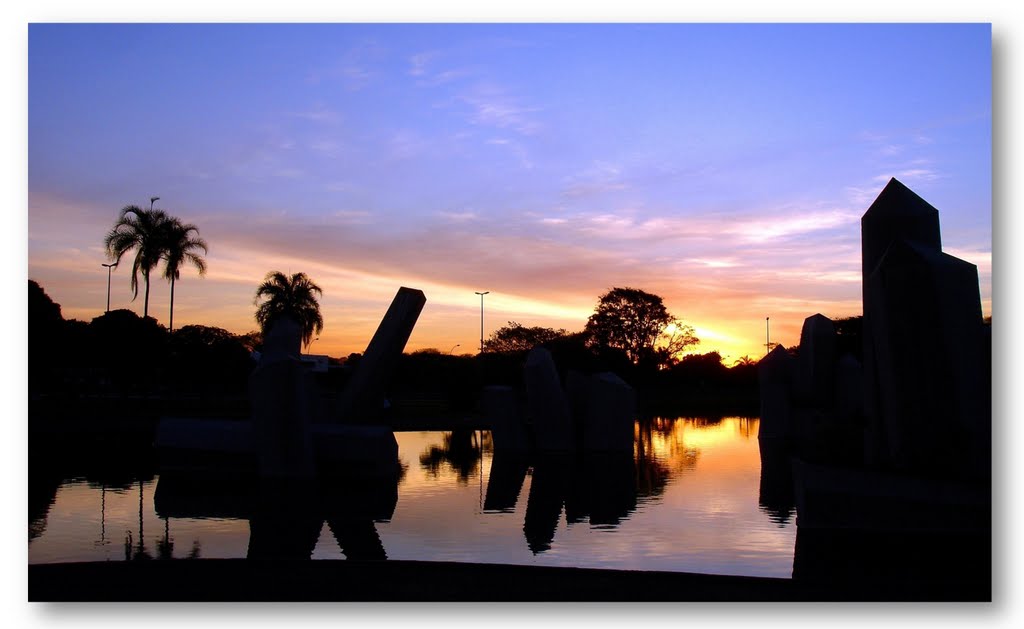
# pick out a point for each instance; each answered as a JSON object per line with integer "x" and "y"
{"x": 696, "y": 497}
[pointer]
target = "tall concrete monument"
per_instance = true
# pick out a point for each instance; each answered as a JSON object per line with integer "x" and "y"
{"x": 925, "y": 392}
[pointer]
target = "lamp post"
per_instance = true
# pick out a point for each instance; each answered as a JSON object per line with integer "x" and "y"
{"x": 767, "y": 338}
{"x": 151, "y": 200}
{"x": 482, "y": 319}
{"x": 453, "y": 348}
{"x": 109, "y": 266}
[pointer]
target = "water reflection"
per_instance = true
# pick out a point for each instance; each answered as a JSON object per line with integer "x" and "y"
{"x": 42, "y": 491}
{"x": 604, "y": 490}
{"x": 286, "y": 517}
{"x": 52, "y": 465}
{"x": 138, "y": 552}
{"x": 775, "y": 495}
{"x": 696, "y": 495}
{"x": 508, "y": 471}
{"x": 284, "y": 521}
{"x": 596, "y": 487}
{"x": 460, "y": 450}
{"x": 657, "y": 443}
{"x": 548, "y": 490}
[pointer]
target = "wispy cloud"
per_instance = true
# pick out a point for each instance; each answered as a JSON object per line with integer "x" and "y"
{"x": 419, "y": 62}
{"x": 861, "y": 196}
{"x": 494, "y": 106}
{"x": 353, "y": 217}
{"x": 908, "y": 175}
{"x": 319, "y": 113}
{"x": 600, "y": 178}
{"x": 326, "y": 147}
{"x": 339, "y": 186}
{"x": 516, "y": 148}
{"x": 422, "y": 67}
{"x": 793, "y": 224}
{"x": 289, "y": 173}
{"x": 459, "y": 217}
{"x": 354, "y": 69}
{"x": 716, "y": 263}
{"x": 406, "y": 144}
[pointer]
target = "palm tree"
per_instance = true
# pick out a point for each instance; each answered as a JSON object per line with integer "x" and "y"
{"x": 143, "y": 231}
{"x": 181, "y": 247}
{"x": 290, "y": 296}
{"x": 744, "y": 361}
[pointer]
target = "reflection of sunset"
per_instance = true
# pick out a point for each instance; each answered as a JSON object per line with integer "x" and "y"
{"x": 104, "y": 520}
{"x": 680, "y": 442}
{"x": 416, "y": 449}
{"x": 689, "y": 501}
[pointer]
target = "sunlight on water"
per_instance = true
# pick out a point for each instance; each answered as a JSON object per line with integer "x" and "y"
{"x": 696, "y": 497}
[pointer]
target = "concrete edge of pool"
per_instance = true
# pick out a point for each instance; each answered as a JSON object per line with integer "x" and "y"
{"x": 242, "y": 580}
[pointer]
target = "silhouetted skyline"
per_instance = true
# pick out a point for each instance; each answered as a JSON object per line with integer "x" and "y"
{"x": 723, "y": 167}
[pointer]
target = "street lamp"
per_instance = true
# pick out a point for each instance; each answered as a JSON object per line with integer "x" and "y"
{"x": 453, "y": 348}
{"x": 482, "y": 318}
{"x": 109, "y": 266}
{"x": 151, "y": 200}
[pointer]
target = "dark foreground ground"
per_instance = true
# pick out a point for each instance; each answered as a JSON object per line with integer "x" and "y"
{"x": 246, "y": 580}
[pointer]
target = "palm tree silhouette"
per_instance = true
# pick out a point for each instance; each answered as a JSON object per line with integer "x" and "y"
{"x": 181, "y": 247}
{"x": 294, "y": 296}
{"x": 143, "y": 231}
{"x": 744, "y": 361}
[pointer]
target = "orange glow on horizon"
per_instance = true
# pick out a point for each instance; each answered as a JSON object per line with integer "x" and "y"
{"x": 354, "y": 301}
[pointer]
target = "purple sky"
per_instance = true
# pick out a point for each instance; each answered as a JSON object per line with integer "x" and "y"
{"x": 723, "y": 167}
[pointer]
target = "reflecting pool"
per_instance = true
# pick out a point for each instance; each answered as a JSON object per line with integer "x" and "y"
{"x": 697, "y": 496}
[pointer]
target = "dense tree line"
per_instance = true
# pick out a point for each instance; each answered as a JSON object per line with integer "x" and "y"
{"x": 121, "y": 353}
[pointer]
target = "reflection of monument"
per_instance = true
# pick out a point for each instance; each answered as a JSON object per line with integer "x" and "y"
{"x": 548, "y": 489}
{"x": 505, "y": 481}
{"x": 579, "y": 439}
{"x": 775, "y": 496}
{"x": 603, "y": 489}
{"x": 284, "y": 522}
{"x": 286, "y": 516}
{"x": 599, "y": 487}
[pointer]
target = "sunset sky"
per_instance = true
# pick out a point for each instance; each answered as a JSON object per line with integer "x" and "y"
{"x": 723, "y": 167}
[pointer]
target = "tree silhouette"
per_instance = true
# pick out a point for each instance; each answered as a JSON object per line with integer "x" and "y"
{"x": 744, "y": 361}
{"x": 294, "y": 296}
{"x": 181, "y": 247}
{"x": 252, "y": 340}
{"x": 144, "y": 232}
{"x": 638, "y": 323}
{"x": 46, "y": 335}
{"x": 516, "y": 337}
